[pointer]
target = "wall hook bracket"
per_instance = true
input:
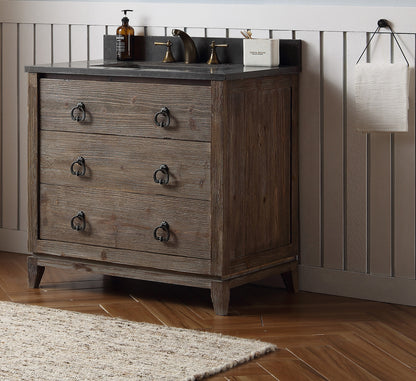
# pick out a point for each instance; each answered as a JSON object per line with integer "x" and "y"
{"x": 383, "y": 23}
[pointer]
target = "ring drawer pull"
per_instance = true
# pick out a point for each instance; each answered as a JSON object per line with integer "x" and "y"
{"x": 78, "y": 222}
{"x": 80, "y": 162}
{"x": 162, "y": 118}
{"x": 164, "y": 169}
{"x": 164, "y": 226}
{"x": 80, "y": 117}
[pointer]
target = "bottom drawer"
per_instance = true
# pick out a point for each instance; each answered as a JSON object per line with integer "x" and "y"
{"x": 125, "y": 220}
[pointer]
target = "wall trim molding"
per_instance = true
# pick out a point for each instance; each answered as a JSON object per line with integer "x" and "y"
{"x": 255, "y": 16}
{"x": 358, "y": 285}
{"x": 14, "y": 241}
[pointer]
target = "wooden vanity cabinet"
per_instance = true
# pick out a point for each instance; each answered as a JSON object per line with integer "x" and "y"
{"x": 209, "y": 201}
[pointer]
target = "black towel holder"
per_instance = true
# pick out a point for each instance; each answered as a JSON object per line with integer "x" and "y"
{"x": 383, "y": 23}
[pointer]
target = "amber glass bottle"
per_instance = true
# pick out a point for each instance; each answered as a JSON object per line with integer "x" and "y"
{"x": 124, "y": 38}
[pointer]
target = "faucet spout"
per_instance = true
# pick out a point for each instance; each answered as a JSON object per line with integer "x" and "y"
{"x": 190, "y": 53}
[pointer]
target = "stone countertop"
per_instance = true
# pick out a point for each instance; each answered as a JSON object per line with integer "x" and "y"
{"x": 147, "y": 69}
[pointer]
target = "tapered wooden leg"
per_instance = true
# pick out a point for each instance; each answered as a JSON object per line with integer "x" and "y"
{"x": 290, "y": 280}
{"x": 34, "y": 272}
{"x": 220, "y": 295}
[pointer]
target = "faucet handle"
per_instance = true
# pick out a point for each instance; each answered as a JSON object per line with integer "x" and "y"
{"x": 213, "y": 59}
{"x": 168, "y": 56}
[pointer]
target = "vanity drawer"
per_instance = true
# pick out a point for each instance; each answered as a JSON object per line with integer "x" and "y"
{"x": 125, "y": 108}
{"x": 125, "y": 220}
{"x": 126, "y": 164}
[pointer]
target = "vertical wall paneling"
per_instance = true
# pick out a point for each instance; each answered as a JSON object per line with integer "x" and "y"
{"x": 356, "y": 166}
{"x": 332, "y": 147}
{"x": 309, "y": 149}
{"x": 404, "y": 177}
{"x": 78, "y": 42}
{"x": 1, "y": 124}
{"x": 95, "y": 44}
{"x": 10, "y": 133}
{"x": 43, "y": 43}
{"x": 380, "y": 181}
{"x": 25, "y": 45}
{"x": 60, "y": 43}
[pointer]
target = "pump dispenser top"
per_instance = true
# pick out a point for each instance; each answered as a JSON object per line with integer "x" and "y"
{"x": 124, "y": 38}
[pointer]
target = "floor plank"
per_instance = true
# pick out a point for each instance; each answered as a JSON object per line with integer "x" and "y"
{"x": 320, "y": 337}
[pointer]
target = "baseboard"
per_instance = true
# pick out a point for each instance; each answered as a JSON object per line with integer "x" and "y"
{"x": 358, "y": 285}
{"x": 14, "y": 241}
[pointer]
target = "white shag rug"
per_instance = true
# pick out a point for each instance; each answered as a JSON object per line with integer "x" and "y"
{"x": 38, "y": 343}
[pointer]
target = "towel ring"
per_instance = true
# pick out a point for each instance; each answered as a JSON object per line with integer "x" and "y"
{"x": 383, "y": 23}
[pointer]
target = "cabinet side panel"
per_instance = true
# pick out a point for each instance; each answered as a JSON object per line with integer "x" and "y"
{"x": 219, "y": 110}
{"x": 258, "y": 167}
{"x": 32, "y": 161}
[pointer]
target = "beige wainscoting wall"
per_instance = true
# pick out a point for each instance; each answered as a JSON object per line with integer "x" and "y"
{"x": 357, "y": 191}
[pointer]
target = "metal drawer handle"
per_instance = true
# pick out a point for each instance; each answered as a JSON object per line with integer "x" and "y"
{"x": 164, "y": 121}
{"x": 80, "y": 117}
{"x": 80, "y": 162}
{"x": 78, "y": 222}
{"x": 164, "y": 226}
{"x": 164, "y": 169}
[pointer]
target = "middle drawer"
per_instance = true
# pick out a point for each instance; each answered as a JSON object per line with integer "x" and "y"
{"x": 126, "y": 164}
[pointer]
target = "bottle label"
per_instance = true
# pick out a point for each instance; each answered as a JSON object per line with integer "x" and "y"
{"x": 120, "y": 44}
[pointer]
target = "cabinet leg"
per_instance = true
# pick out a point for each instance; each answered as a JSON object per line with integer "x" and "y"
{"x": 220, "y": 295}
{"x": 290, "y": 280}
{"x": 34, "y": 272}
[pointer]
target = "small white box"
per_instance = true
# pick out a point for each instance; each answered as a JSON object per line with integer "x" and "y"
{"x": 260, "y": 52}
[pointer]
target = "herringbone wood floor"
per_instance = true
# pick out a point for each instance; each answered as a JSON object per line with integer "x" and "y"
{"x": 321, "y": 337}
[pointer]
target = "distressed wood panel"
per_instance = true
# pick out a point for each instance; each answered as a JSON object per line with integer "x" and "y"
{"x": 124, "y": 220}
{"x": 10, "y": 127}
{"x": 257, "y": 184}
{"x": 380, "y": 180}
{"x": 333, "y": 151}
{"x": 356, "y": 167}
{"x": 404, "y": 177}
{"x": 26, "y": 53}
{"x": 110, "y": 166}
{"x": 310, "y": 149}
{"x": 189, "y": 106}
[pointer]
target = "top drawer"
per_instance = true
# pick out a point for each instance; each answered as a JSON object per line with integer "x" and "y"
{"x": 125, "y": 108}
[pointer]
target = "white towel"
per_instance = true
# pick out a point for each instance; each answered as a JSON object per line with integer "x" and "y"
{"x": 382, "y": 97}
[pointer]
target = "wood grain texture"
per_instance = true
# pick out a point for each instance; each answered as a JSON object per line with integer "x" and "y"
{"x": 125, "y": 220}
{"x": 109, "y": 165}
{"x": 246, "y": 175}
{"x": 320, "y": 337}
{"x": 120, "y": 108}
{"x": 218, "y": 126}
{"x": 127, "y": 257}
{"x": 258, "y": 189}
